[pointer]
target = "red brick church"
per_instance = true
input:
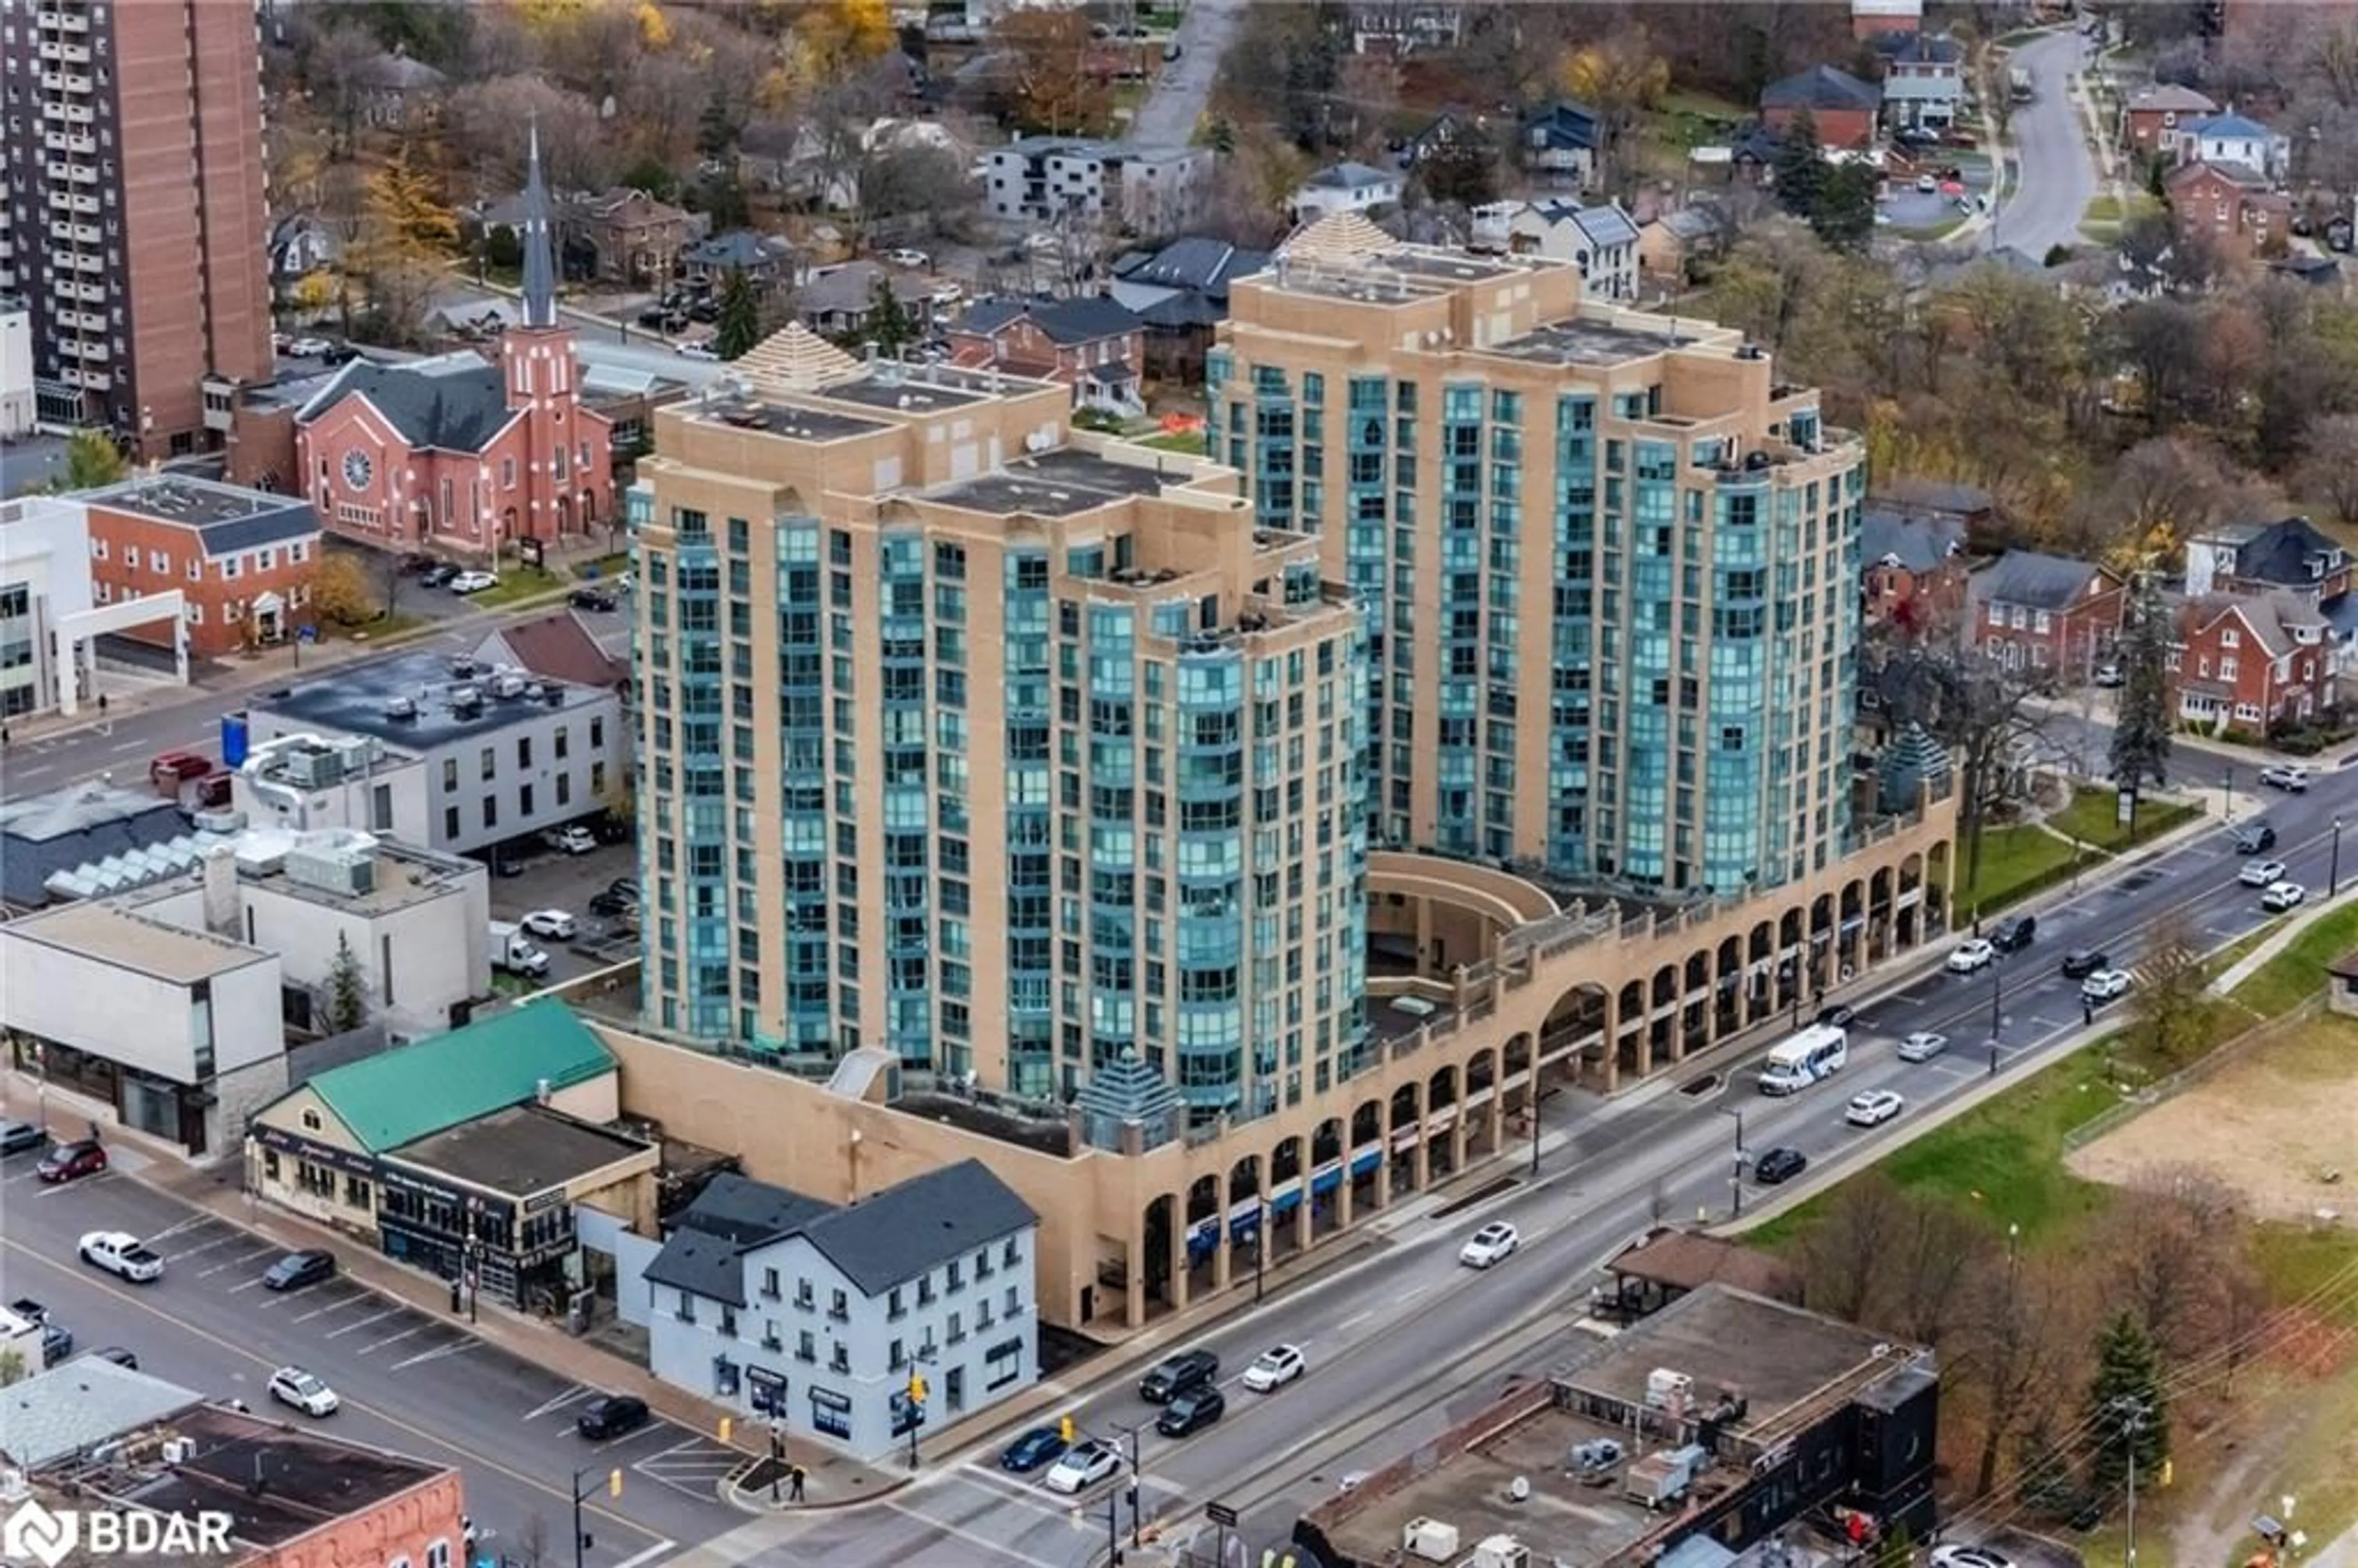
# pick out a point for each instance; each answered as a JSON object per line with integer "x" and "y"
{"x": 458, "y": 454}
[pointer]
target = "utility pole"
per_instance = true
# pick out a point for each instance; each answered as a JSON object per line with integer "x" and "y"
{"x": 2131, "y": 1413}
{"x": 1997, "y": 999}
{"x": 1137, "y": 1526}
{"x": 1534, "y": 1110}
{"x": 1735, "y": 1177}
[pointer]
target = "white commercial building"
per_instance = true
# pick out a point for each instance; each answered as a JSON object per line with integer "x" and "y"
{"x": 17, "y": 410}
{"x": 432, "y": 750}
{"x": 44, "y": 583}
{"x": 1154, "y": 191}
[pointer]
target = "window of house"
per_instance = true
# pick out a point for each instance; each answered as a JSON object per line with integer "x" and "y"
{"x": 2231, "y": 638}
{"x": 727, "y": 1377}
{"x": 310, "y": 1121}
{"x": 838, "y": 1307}
{"x": 770, "y": 1283}
{"x": 449, "y": 822}
{"x": 729, "y": 1321}
{"x": 1002, "y": 1363}
{"x": 228, "y": 567}
{"x": 2042, "y": 624}
{"x": 2227, "y": 668}
{"x": 893, "y": 1308}
{"x": 398, "y": 1562}
{"x": 830, "y": 1412}
{"x": 449, "y": 773}
{"x": 196, "y": 570}
{"x": 507, "y": 473}
{"x": 957, "y": 1333}
{"x": 1011, "y": 1255}
{"x": 270, "y": 1164}
{"x": 195, "y": 614}
{"x": 491, "y": 763}
{"x": 957, "y": 1275}
{"x": 356, "y": 1192}
{"x": 491, "y": 811}
{"x": 98, "y": 550}
{"x": 806, "y": 1346}
{"x": 686, "y": 1312}
{"x": 838, "y": 1358}
{"x": 438, "y": 1554}
{"x": 160, "y": 562}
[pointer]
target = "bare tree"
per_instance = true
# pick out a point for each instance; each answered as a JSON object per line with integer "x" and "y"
{"x": 2329, "y": 464}
{"x": 532, "y": 1541}
{"x": 2013, "y": 1349}
{"x": 2168, "y": 1004}
{"x": 1931, "y": 1275}
{"x": 1844, "y": 1256}
{"x": 485, "y": 125}
{"x": 2175, "y": 1239}
{"x": 922, "y": 188}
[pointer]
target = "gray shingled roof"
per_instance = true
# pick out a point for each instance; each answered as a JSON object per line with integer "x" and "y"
{"x": 919, "y": 1225}
{"x": 1196, "y": 263}
{"x": 1349, "y": 176}
{"x": 1822, "y": 87}
{"x": 44, "y": 834}
{"x": 1918, "y": 543}
{"x": 455, "y": 403}
{"x": 2284, "y": 552}
{"x": 1065, "y": 321}
{"x": 731, "y": 1216}
{"x": 72, "y": 1408}
{"x": 2033, "y": 580}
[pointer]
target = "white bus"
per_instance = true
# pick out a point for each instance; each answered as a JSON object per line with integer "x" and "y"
{"x": 1817, "y": 1052}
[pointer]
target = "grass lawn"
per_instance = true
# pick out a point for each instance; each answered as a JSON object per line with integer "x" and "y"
{"x": 2014, "y": 860}
{"x": 1188, "y": 443}
{"x": 2288, "y": 978}
{"x": 515, "y": 585}
{"x": 605, "y": 569}
{"x": 2093, "y": 814}
{"x": 1933, "y": 233}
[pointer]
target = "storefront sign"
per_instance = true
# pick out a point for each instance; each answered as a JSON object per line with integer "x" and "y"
{"x": 311, "y": 1153}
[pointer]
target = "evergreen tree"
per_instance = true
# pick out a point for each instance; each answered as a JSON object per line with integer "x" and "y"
{"x": 2126, "y": 1414}
{"x": 2042, "y": 1478}
{"x": 347, "y": 990}
{"x": 1800, "y": 168}
{"x": 890, "y": 326}
{"x": 2141, "y": 728}
{"x": 740, "y": 327}
{"x": 716, "y": 133}
{"x": 1843, "y": 214}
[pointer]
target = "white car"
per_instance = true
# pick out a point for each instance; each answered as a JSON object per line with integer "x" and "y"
{"x": 1274, "y": 1368}
{"x": 1491, "y": 1244}
{"x": 294, "y": 1386}
{"x": 907, "y": 257}
{"x": 2286, "y": 776}
{"x": 1926, "y": 185}
{"x": 570, "y": 841}
{"x": 122, "y": 1254}
{"x": 2104, "y": 985}
{"x": 2261, "y": 873}
{"x": 1873, "y": 1109}
{"x": 2282, "y": 895}
{"x": 1972, "y": 956}
{"x": 688, "y": 349}
{"x": 1922, "y": 1046}
{"x": 307, "y": 347}
{"x": 475, "y": 582}
{"x": 1085, "y": 1463}
{"x": 553, "y": 923}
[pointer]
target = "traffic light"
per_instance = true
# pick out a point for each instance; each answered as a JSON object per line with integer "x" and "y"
{"x": 614, "y": 1482}
{"x": 1064, "y": 1430}
{"x": 916, "y": 1387}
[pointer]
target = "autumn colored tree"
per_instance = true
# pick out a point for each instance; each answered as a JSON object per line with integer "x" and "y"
{"x": 1620, "y": 77}
{"x": 1050, "y": 84}
{"x": 340, "y": 589}
{"x": 91, "y": 459}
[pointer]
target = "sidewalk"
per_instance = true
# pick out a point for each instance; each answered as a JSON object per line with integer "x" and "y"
{"x": 832, "y": 1480}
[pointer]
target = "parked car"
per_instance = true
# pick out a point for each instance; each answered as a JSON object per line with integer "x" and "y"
{"x": 297, "y": 1270}
{"x": 309, "y": 348}
{"x": 2081, "y": 962}
{"x": 1922, "y": 1046}
{"x": 474, "y": 581}
{"x": 1275, "y": 1368}
{"x": 2104, "y": 985}
{"x": 2289, "y": 777}
{"x": 1041, "y": 1445}
{"x": 610, "y": 1416}
{"x": 122, "y": 1254}
{"x": 2253, "y": 838}
{"x": 1841, "y": 1015}
{"x": 1972, "y": 956}
{"x": 613, "y": 906}
{"x": 573, "y": 839}
{"x": 1781, "y": 1163}
{"x": 68, "y": 1162}
{"x": 1180, "y": 1372}
{"x": 904, "y": 256}
{"x": 2282, "y": 896}
{"x": 1192, "y": 1412}
{"x": 1926, "y": 185}
{"x": 2260, "y": 873}
{"x": 441, "y": 574}
{"x": 1085, "y": 1465}
{"x": 1873, "y": 1109}
{"x": 553, "y": 923}
{"x": 624, "y": 887}
{"x": 1494, "y": 1243}
{"x": 695, "y": 349}
{"x": 17, "y": 1137}
{"x": 597, "y": 600}
{"x": 119, "y": 1355}
{"x": 2015, "y": 933}
{"x": 2110, "y": 675}
{"x": 294, "y": 1386}
{"x": 57, "y": 1339}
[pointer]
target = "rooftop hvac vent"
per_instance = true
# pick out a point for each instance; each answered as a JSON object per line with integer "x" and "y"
{"x": 466, "y": 699}
{"x": 346, "y": 869}
{"x": 463, "y": 667}
{"x": 508, "y": 685}
{"x": 314, "y": 767}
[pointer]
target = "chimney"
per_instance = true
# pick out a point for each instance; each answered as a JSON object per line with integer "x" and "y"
{"x": 220, "y": 899}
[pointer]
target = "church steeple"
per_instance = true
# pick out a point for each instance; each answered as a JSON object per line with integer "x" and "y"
{"x": 539, "y": 252}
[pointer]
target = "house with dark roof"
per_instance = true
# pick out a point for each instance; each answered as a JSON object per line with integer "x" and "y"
{"x": 829, "y": 1317}
{"x": 2233, "y": 138}
{"x": 1601, "y": 240}
{"x": 1916, "y": 496}
{"x": 2149, "y": 121}
{"x": 393, "y": 90}
{"x": 1843, "y": 108}
{"x": 1670, "y": 244}
{"x": 2288, "y": 556}
{"x": 1090, "y": 343}
{"x": 479, "y": 1144}
{"x": 2232, "y": 206}
{"x": 1923, "y": 80}
{"x": 1346, "y": 188}
{"x": 764, "y": 259}
{"x": 1914, "y": 567}
{"x": 2253, "y": 662}
{"x": 1556, "y": 144}
{"x": 2034, "y": 611}
{"x": 554, "y": 647}
{"x": 1181, "y": 293}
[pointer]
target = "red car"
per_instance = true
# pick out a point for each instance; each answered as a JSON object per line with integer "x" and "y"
{"x": 67, "y": 1161}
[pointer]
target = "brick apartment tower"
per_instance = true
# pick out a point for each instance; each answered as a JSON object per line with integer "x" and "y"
{"x": 135, "y": 224}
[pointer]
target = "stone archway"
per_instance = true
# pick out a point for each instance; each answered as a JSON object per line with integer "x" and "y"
{"x": 1443, "y": 1133}
{"x": 1245, "y": 1215}
{"x": 1879, "y": 933}
{"x": 1727, "y": 989}
{"x": 1482, "y": 1110}
{"x": 1364, "y": 1157}
{"x": 1201, "y": 1244}
{"x": 1164, "y": 1262}
{"x": 1909, "y": 913}
{"x": 1329, "y": 1177}
{"x": 1850, "y": 932}
{"x": 1403, "y": 1137}
{"x": 1694, "y": 1031}
{"x": 1289, "y": 1199}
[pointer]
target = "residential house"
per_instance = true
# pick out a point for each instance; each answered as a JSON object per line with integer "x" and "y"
{"x": 820, "y": 168}
{"x": 1149, "y": 191}
{"x": 1670, "y": 244}
{"x": 1092, "y": 344}
{"x": 2231, "y": 205}
{"x": 393, "y": 91}
{"x": 1557, "y": 145}
{"x": 614, "y": 236}
{"x": 766, "y": 261}
{"x": 2253, "y": 662}
{"x": 1601, "y": 241}
{"x": 301, "y": 244}
{"x": 2231, "y": 138}
{"x": 1449, "y": 134}
{"x": 2034, "y": 611}
{"x": 242, "y": 560}
{"x": 1344, "y": 188}
{"x": 1843, "y": 108}
{"x": 1974, "y": 507}
{"x": 1393, "y": 28}
{"x": 2289, "y": 556}
{"x": 1923, "y": 81}
{"x": 1181, "y": 293}
{"x": 1913, "y": 570}
{"x": 556, "y": 647}
{"x": 860, "y": 1323}
{"x": 2149, "y": 121}
{"x": 1873, "y": 18}
{"x": 838, "y": 300}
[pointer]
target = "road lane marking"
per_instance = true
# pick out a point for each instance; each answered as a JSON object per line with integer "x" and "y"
{"x": 249, "y": 1284}
{"x": 573, "y": 1392}
{"x": 458, "y": 1349}
{"x": 649, "y": 1555}
{"x": 187, "y": 1252}
{"x": 79, "y": 1183}
{"x": 395, "y": 1339}
{"x": 238, "y": 1261}
{"x": 189, "y": 1224}
{"x": 1353, "y": 1322}
{"x": 363, "y": 1323}
{"x": 335, "y": 1306}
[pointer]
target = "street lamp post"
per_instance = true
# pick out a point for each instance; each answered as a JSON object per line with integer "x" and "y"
{"x": 1735, "y": 1177}
{"x": 1998, "y": 1002}
{"x": 2333, "y": 876}
{"x": 2227, "y": 791}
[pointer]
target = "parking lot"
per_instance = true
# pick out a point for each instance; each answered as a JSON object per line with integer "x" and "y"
{"x": 414, "y": 1381}
{"x": 552, "y": 879}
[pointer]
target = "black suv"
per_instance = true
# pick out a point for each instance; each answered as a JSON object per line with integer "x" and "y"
{"x": 2254, "y": 836}
{"x": 2013, "y": 934}
{"x": 1191, "y": 1409}
{"x": 1176, "y": 1375}
{"x": 1779, "y": 1164}
{"x": 2081, "y": 962}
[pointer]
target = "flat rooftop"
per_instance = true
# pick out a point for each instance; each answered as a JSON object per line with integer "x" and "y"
{"x": 521, "y": 1150}
{"x": 889, "y": 385}
{"x": 1775, "y": 1356}
{"x": 139, "y": 943}
{"x": 1054, "y": 484}
{"x": 362, "y": 699}
{"x": 59, "y": 1413}
{"x": 1578, "y": 342}
{"x": 227, "y": 518}
{"x": 57, "y": 1499}
{"x": 783, "y": 420}
{"x": 306, "y": 1480}
{"x": 405, "y": 875}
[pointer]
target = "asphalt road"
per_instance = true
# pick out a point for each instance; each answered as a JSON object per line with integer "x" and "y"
{"x": 120, "y": 745}
{"x": 413, "y": 1382}
{"x": 1168, "y": 116}
{"x": 2055, "y": 175}
{"x": 1405, "y": 1342}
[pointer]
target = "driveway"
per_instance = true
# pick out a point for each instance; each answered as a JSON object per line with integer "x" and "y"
{"x": 1170, "y": 114}
{"x": 2055, "y": 174}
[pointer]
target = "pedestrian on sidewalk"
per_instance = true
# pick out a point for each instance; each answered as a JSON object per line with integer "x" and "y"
{"x": 2087, "y": 1013}
{"x": 794, "y": 1485}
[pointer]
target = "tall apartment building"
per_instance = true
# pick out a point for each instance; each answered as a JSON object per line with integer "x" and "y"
{"x": 1610, "y": 559}
{"x": 1011, "y": 751}
{"x": 133, "y": 220}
